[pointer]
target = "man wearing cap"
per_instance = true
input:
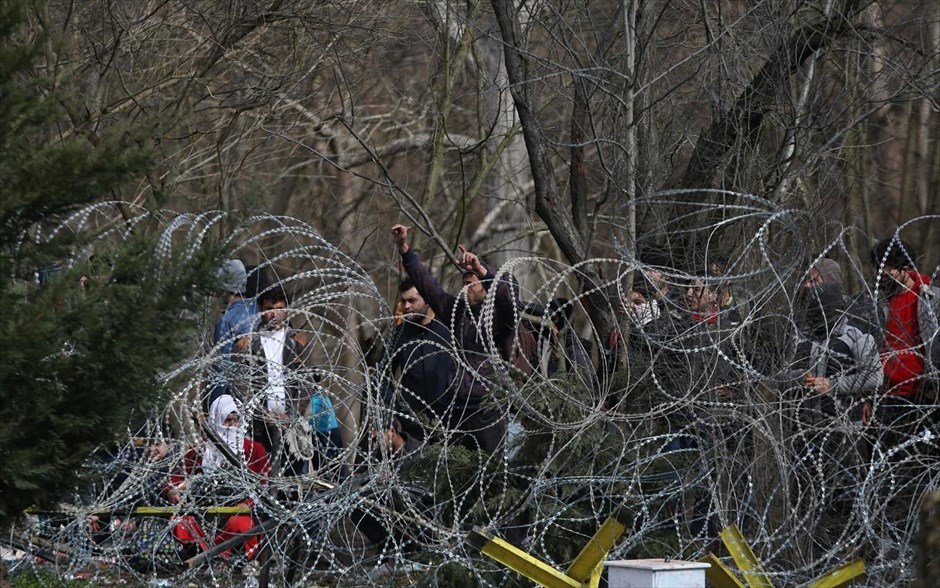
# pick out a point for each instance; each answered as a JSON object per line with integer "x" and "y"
{"x": 239, "y": 318}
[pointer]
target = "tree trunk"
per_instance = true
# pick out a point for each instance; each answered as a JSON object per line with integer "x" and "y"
{"x": 549, "y": 204}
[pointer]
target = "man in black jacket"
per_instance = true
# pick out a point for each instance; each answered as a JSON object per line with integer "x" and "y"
{"x": 420, "y": 351}
{"x": 483, "y": 336}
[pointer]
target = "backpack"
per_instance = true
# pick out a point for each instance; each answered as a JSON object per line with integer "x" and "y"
{"x": 154, "y": 545}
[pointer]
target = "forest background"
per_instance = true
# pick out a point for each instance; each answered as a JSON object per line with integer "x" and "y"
{"x": 555, "y": 129}
{"x": 515, "y": 128}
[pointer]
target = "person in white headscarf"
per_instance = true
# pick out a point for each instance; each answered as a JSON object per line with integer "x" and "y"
{"x": 225, "y": 421}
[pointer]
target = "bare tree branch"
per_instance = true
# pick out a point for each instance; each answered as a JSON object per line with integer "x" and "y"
{"x": 747, "y": 114}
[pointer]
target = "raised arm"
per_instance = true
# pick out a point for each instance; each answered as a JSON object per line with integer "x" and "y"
{"x": 400, "y": 237}
{"x": 505, "y": 315}
{"x": 430, "y": 289}
{"x": 471, "y": 262}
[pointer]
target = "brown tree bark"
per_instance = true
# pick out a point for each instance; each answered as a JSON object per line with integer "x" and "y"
{"x": 549, "y": 203}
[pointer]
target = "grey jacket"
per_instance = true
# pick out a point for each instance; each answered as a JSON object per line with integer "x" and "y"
{"x": 855, "y": 368}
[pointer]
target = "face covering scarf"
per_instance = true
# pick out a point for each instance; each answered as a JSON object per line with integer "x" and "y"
{"x": 232, "y": 435}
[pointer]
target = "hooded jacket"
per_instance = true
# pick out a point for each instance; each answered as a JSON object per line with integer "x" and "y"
{"x": 910, "y": 351}
{"x": 831, "y": 345}
{"x": 848, "y": 358}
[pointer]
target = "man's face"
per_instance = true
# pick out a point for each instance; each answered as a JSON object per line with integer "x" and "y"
{"x": 813, "y": 278}
{"x": 894, "y": 280}
{"x": 698, "y": 297}
{"x": 273, "y": 313}
{"x": 413, "y": 307}
{"x": 476, "y": 293}
{"x": 896, "y": 274}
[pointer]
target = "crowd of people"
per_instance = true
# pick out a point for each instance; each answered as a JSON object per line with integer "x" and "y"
{"x": 857, "y": 376}
{"x": 863, "y": 361}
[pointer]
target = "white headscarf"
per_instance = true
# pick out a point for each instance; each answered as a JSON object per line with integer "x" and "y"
{"x": 233, "y": 436}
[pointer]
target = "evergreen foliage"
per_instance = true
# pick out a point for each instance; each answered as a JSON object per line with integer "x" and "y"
{"x": 76, "y": 363}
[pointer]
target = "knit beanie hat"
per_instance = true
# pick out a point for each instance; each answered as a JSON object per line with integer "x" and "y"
{"x": 830, "y": 271}
{"x": 232, "y": 277}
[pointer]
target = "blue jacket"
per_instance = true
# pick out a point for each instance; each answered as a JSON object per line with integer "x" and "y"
{"x": 239, "y": 319}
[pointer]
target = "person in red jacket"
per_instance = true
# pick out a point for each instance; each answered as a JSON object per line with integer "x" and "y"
{"x": 225, "y": 421}
{"x": 903, "y": 351}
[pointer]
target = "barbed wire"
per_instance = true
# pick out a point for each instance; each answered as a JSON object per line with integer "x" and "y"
{"x": 706, "y": 423}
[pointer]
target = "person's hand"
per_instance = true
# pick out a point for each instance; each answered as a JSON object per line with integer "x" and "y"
{"x": 390, "y": 438}
{"x": 819, "y": 384}
{"x": 174, "y": 492}
{"x": 471, "y": 263}
{"x": 400, "y": 236}
{"x": 173, "y": 496}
